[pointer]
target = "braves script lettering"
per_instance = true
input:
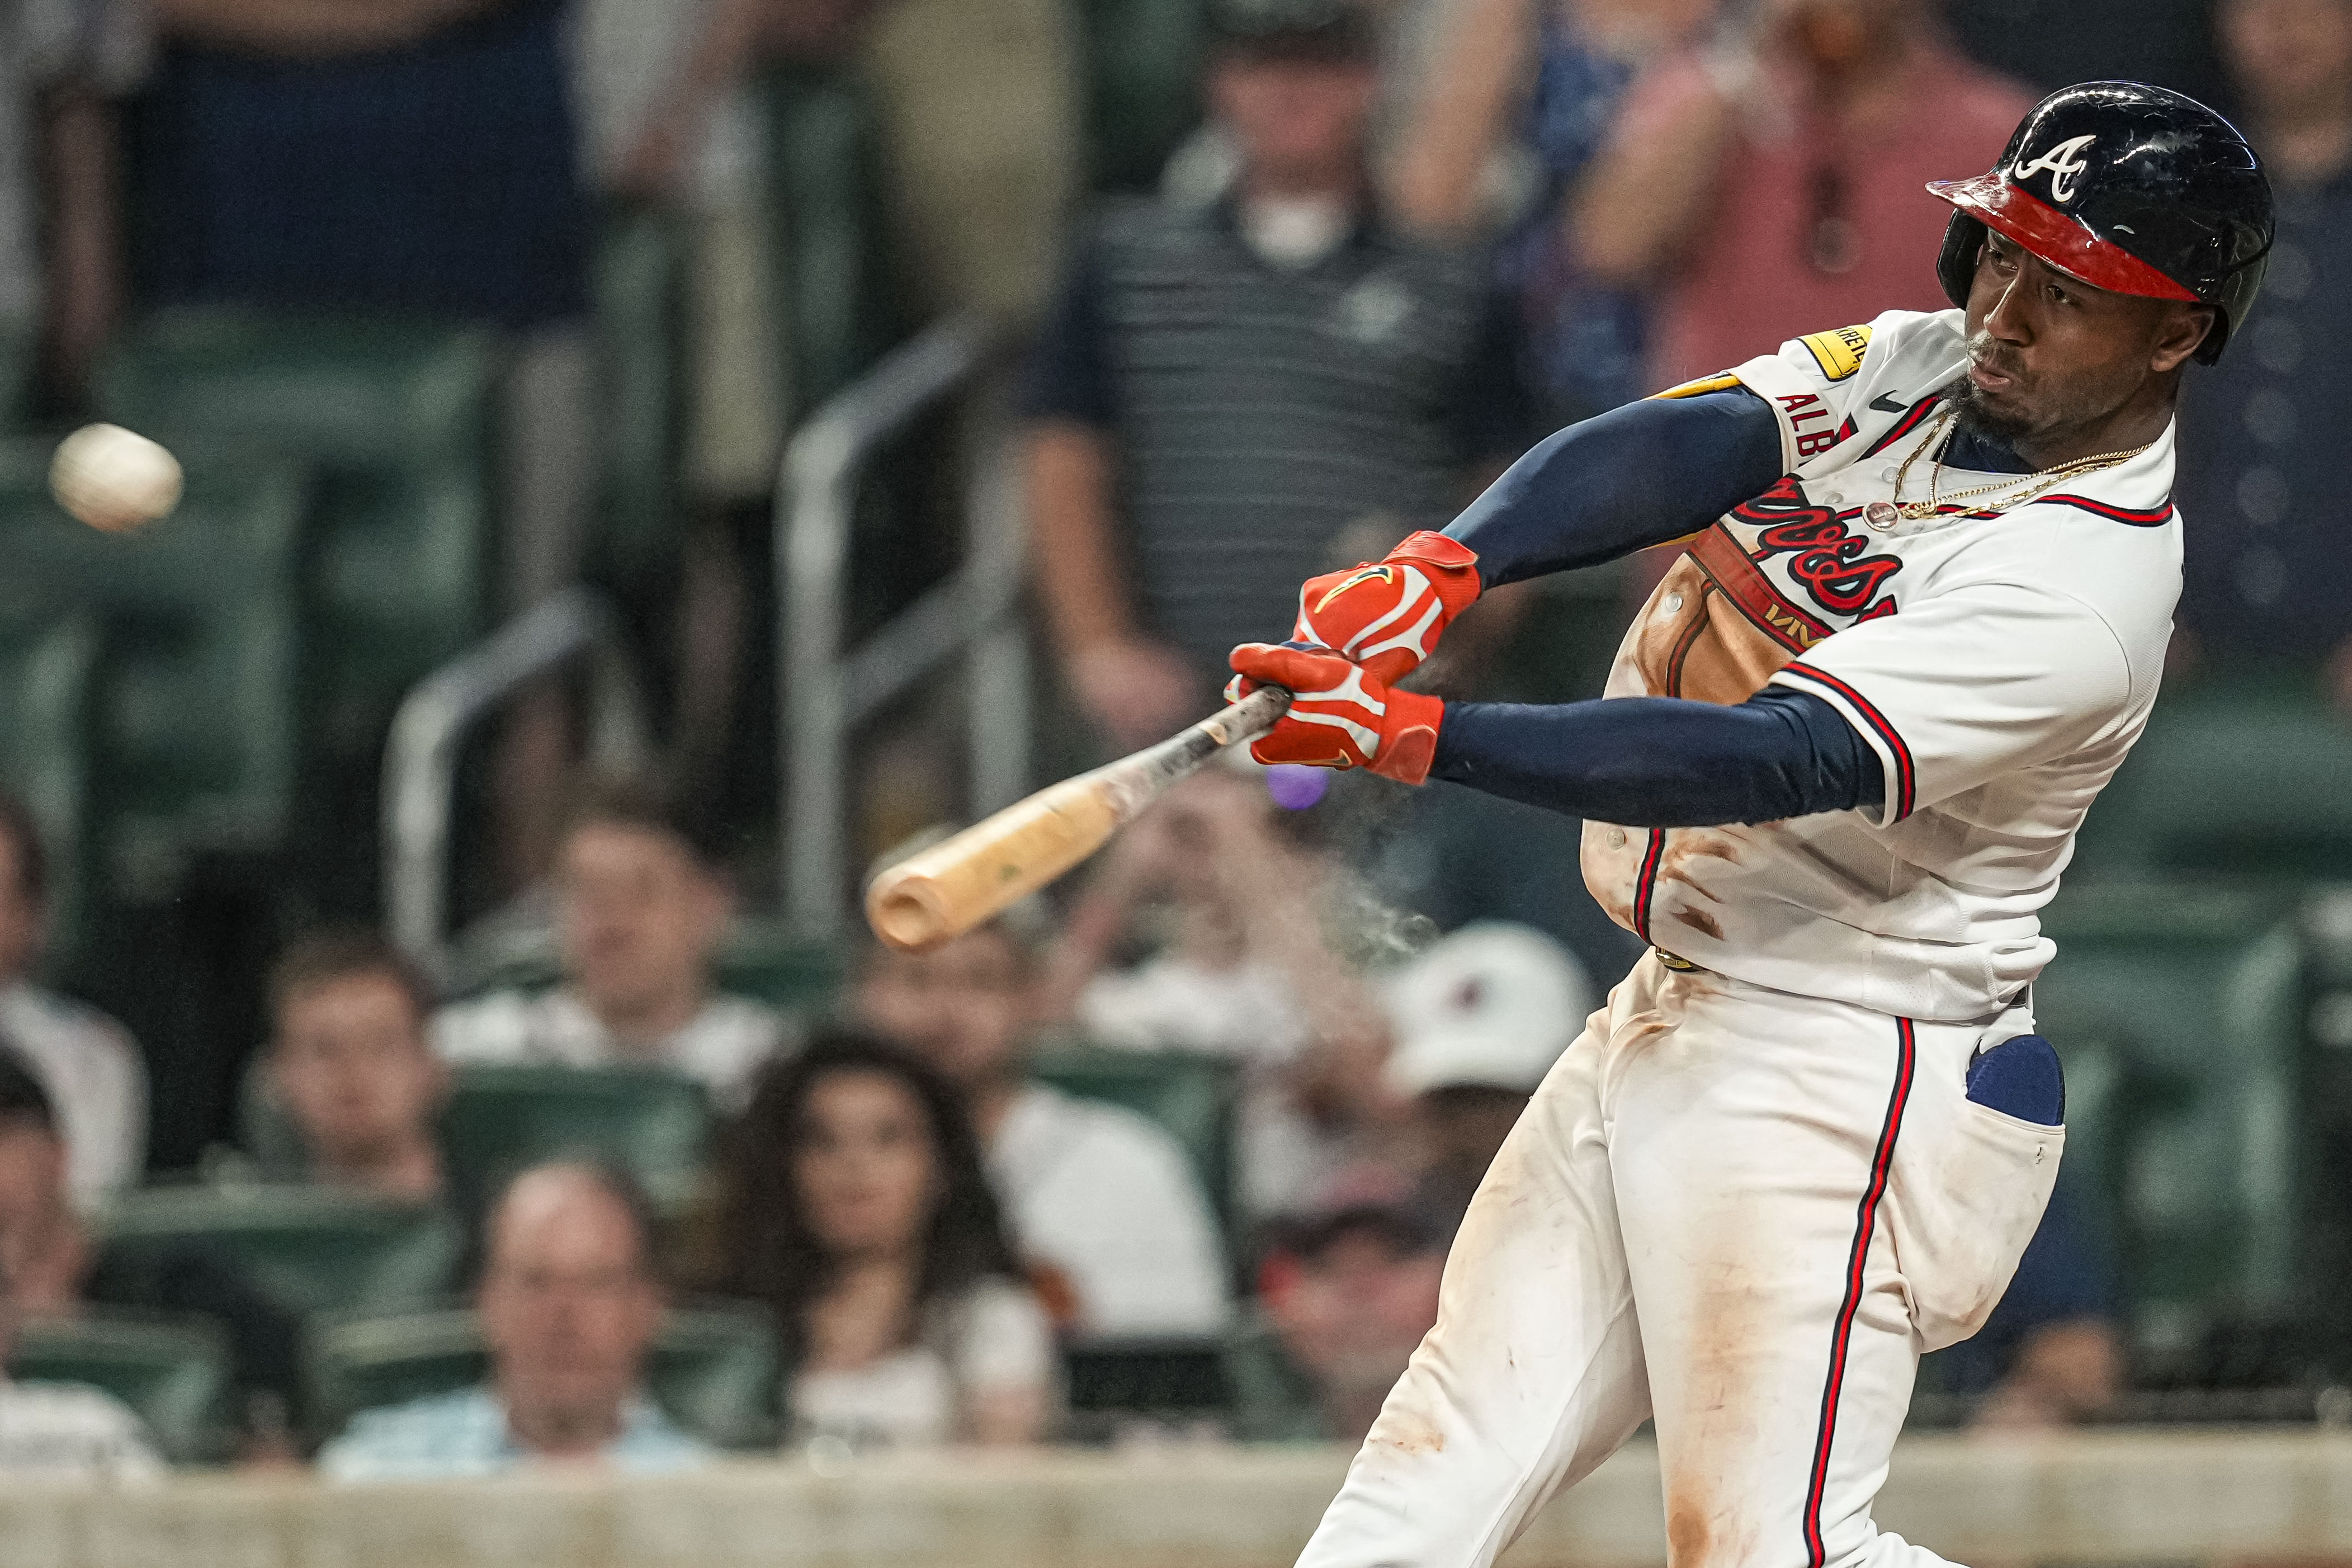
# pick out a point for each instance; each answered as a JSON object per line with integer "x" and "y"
{"x": 1830, "y": 559}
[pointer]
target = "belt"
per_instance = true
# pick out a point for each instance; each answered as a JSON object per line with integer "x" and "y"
{"x": 1680, "y": 965}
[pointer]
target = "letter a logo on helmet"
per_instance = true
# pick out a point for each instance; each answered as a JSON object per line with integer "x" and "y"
{"x": 2162, "y": 197}
{"x": 2062, "y": 163}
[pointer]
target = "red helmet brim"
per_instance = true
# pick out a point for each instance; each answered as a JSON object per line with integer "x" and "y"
{"x": 2063, "y": 242}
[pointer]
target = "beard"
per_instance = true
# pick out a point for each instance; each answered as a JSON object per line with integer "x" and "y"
{"x": 1978, "y": 417}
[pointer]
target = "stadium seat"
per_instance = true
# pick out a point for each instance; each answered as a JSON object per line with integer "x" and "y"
{"x": 1193, "y": 1096}
{"x": 2237, "y": 775}
{"x": 307, "y": 1249}
{"x": 2176, "y": 1011}
{"x": 394, "y": 412}
{"x": 1143, "y": 72}
{"x": 1272, "y": 1401}
{"x": 714, "y": 1368}
{"x": 194, "y": 748}
{"x": 636, "y": 282}
{"x": 49, "y": 690}
{"x": 829, "y": 250}
{"x": 653, "y": 1124}
{"x": 173, "y": 1373}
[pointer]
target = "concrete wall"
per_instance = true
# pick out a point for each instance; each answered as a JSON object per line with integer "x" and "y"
{"x": 2104, "y": 1497}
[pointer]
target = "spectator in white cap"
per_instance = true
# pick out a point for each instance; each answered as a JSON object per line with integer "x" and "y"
{"x": 1478, "y": 1019}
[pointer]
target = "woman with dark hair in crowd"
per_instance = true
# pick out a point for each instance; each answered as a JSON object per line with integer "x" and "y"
{"x": 853, "y": 1204}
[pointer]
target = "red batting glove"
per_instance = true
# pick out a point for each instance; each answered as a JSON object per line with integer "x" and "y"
{"x": 1342, "y": 715}
{"x": 1388, "y": 615}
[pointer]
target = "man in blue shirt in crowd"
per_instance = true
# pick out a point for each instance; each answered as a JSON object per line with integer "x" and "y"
{"x": 570, "y": 1308}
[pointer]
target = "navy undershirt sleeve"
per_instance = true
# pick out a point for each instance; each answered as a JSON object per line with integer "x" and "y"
{"x": 1664, "y": 761}
{"x": 1636, "y": 475}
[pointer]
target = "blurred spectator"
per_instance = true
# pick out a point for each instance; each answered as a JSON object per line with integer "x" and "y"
{"x": 642, "y": 912}
{"x": 51, "y": 1265}
{"x": 1528, "y": 89}
{"x": 2267, "y": 573}
{"x": 87, "y": 1063}
{"x": 2050, "y": 1354}
{"x": 1243, "y": 968}
{"x": 570, "y": 1309}
{"x": 350, "y": 1066}
{"x": 1769, "y": 186}
{"x": 1479, "y": 1020}
{"x": 67, "y": 1431}
{"x": 2167, "y": 42}
{"x": 1346, "y": 1299}
{"x": 854, "y": 1205}
{"x": 1096, "y": 1194}
{"x": 1230, "y": 398}
{"x": 59, "y": 230}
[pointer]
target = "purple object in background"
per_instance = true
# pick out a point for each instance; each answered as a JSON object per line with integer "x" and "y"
{"x": 1294, "y": 787}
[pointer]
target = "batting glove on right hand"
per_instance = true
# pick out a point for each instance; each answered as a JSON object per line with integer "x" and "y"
{"x": 1341, "y": 714}
{"x": 1388, "y": 615}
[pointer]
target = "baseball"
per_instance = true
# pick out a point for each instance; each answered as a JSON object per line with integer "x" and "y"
{"x": 113, "y": 478}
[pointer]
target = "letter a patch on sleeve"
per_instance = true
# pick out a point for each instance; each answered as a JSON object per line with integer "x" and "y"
{"x": 1838, "y": 352}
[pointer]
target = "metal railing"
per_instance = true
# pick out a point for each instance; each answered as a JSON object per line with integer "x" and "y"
{"x": 823, "y": 690}
{"x": 420, "y": 759}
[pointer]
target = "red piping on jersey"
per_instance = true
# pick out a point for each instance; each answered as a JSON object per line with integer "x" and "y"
{"x": 1731, "y": 569}
{"x": 2149, "y": 517}
{"x": 1646, "y": 883}
{"x": 1905, "y": 790}
{"x": 1865, "y": 1221}
{"x": 1904, "y": 425}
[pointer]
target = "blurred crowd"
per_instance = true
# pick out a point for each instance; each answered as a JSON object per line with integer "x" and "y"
{"x": 1408, "y": 238}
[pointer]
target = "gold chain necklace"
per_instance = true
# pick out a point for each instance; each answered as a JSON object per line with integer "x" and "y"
{"x": 1883, "y": 515}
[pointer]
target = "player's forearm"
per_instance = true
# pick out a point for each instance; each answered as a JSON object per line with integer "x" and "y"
{"x": 1656, "y": 762}
{"x": 1637, "y": 476}
{"x": 1078, "y": 576}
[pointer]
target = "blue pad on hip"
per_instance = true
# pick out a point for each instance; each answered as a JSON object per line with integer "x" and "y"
{"x": 2020, "y": 1078}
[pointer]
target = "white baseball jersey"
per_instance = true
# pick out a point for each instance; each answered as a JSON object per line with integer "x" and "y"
{"x": 2001, "y": 663}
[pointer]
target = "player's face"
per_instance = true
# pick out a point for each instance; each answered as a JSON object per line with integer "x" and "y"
{"x": 2052, "y": 359}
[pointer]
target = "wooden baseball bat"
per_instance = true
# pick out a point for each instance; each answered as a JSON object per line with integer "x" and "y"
{"x": 938, "y": 895}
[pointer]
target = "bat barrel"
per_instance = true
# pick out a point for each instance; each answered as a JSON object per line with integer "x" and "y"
{"x": 931, "y": 898}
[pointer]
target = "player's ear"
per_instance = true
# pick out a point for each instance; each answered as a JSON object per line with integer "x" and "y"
{"x": 2183, "y": 329}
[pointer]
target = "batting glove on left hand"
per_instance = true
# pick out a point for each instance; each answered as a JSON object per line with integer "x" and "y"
{"x": 1388, "y": 615}
{"x": 1342, "y": 715}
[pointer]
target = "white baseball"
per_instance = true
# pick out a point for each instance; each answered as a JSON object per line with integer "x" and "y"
{"x": 113, "y": 478}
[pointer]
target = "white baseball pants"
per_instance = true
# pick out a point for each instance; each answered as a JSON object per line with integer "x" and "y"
{"x": 1743, "y": 1213}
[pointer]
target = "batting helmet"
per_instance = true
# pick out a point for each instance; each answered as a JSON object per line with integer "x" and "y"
{"x": 2129, "y": 188}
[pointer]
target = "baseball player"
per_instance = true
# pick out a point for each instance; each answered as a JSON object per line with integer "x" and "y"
{"x": 1928, "y": 574}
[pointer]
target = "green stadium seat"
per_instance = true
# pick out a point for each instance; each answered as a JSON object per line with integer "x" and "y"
{"x": 1272, "y": 1400}
{"x": 308, "y": 1249}
{"x": 1195, "y": 1097}
{"x": 48, "y": 690}
{"x": 829, "y": 267}
{"x": 173, "y": 1373}
{"x": 395, "y": 414}
{"x": 2242, "y": 777}
{"x": 2177, "y": 1012}
{"x": 1143, "y": 77}
{"x": 651, "y": 1123}
{"x": 196, "y": 746}
{"x": 714, "y": 1369}
{"x": 636, "y": 280}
